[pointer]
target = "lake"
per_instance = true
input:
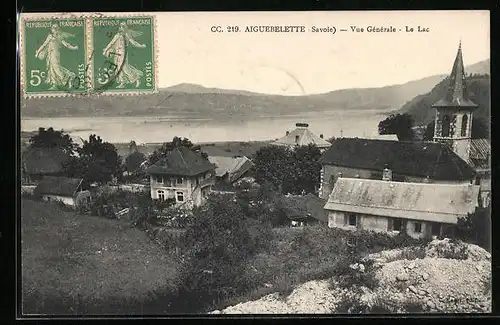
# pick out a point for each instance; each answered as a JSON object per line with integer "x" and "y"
{"x": 158, "y": 129}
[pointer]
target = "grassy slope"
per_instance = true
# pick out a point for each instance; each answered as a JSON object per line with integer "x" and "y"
{"x": 82, "y": 264}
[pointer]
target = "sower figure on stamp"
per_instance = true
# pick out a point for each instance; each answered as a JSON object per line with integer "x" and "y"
{"x": 50, "y": 51}
{"x": 117, "y": 50}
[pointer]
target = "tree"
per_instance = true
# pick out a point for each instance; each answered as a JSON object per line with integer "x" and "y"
{"x": 307, "y": 168}
{"x": 399, "y": 124}
{"x": 159, "y": 153}
{"x": 479, "y": 129}
{"x": 134, "y": 161}
{"x": 98, "y": 161}
{"x": 274, "y": 164}
{"x": 476, "y": 228}
{"x": 289, "y": 171}
{"x": 49, "y": 138}
{"x": 218, "y": 243}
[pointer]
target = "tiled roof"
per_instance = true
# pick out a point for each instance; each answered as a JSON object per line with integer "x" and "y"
{"x": 418, "y": 201}
{"x": 479, "y": 155}
{"x": 43, "y": 160}
{"x": 235, "y": 167}
{"x": 305, "y": 137}
{"x": 456, "y": 95}
{"x": 181, "y": 161}
{"x": 297, "y": 206}
{"x": 62, "y": 186}
{"x": 420, "y": 159}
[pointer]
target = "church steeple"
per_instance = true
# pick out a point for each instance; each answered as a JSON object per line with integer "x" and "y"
{"x": 453, "y": 122}
{"x": 456, "y": 94}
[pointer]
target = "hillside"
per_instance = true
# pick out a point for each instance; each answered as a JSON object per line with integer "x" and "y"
{"x": 421, "y": 109}
{"x": 227, "y": 104}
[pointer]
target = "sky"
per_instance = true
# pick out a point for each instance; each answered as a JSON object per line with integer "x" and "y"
{"x": 308, "y": 63}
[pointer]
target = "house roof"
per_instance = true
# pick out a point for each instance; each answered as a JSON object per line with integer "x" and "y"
{"x": 298, "y": 206}
{"x": 479, "y": 154}
{"x": 234, "y": 166}
{"x": 305, "y": 137}
{"x": 62, "y": 186}
{"x": 390, "y": 137}
{"x": 456, "y": 94}
{"x": 420, "y": 159}
{"x": 181, "y": 161}
{"x": 222, "y": 186}
{"x": 419, "y": 201}
{"x": 44, "y": 160}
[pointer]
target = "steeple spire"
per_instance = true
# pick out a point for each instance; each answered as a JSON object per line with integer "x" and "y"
{"x": 456, "y": 94}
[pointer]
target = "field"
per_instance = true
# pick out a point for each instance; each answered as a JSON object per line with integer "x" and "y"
{"x": 88, "y": 265}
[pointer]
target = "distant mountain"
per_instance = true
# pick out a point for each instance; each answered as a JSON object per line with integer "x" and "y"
{"x": 478, "y": 87}
{"x": 224, "y": 104}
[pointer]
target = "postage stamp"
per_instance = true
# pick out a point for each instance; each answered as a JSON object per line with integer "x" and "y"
{"x": 53, "y": 56}
{"x": 123, "y": 55}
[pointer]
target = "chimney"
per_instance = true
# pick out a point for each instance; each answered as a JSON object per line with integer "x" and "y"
{"x": 321, "y": 136}
{"x": 387, "y": 174}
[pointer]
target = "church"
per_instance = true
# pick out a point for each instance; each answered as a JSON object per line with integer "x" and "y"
{"x": 453, "y": 128}
{"x": 453, "y": 157}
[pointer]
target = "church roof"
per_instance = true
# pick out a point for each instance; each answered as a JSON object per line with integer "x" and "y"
{"x": 456, "y": 94}
{"x": 301, "y": 136}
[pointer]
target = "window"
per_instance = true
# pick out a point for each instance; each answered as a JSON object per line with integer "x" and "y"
{"x": 445, "y": 126}
{"x": 395, "y": 225}
{"x": 161, "y": 195}
{"x": 296, "y": 139}
{"x": 351, "y": 220}
{"x": 436, "y": 229}
{"x": 179, "y": 180}
{"x": 180, "y": 196}
{"x": 197, "y": 181}
{"x": 417, "y": 227}
{"x": 159, "y": 179}
{"x": 463, "y": 130}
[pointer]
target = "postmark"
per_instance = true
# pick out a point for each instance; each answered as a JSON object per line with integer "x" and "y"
{"x": 53, "y": 56}
{"x": 123, "y": 59}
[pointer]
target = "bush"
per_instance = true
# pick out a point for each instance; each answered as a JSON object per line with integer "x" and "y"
{"x": 218, "y": 243}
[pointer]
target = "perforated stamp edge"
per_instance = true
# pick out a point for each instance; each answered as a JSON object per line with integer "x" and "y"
{"x": 21, "y": 52}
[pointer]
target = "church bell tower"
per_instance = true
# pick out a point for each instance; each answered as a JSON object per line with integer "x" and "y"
{"x": 453, "y": 122}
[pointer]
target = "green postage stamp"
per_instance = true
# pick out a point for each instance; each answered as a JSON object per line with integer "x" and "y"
{"x": 53, "y": 56}
{"x": 88, "y": 55}
{"x": 123, "y": 54}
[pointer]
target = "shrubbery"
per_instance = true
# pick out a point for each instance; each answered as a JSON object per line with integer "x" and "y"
{"x": 217, "y": 245}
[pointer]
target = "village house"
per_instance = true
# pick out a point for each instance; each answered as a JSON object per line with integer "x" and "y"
{"x": 302, "y": 136}
{"x": 70, "y": 191}
{"x": 453, "y": 127}
{"x": 421, "y": 209}
{"x": 408, "y": 161}
{"x": 183, "y": 175}
{"x": 39, "y": 162}
{"x": 304, "y": 210}
{"x": 229, "y": 170}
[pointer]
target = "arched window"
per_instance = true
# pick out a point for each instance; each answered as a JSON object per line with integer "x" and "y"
{"x": 463, "y": 130}
{"x": 445, "y": 126}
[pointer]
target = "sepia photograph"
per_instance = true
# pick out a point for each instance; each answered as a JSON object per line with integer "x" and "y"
{"x": 230, "y": 163}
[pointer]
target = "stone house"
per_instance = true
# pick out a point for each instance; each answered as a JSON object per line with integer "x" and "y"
{"x": 301, "y": 136}
{"x": 228, "y": 170}
{"x": 183, "y": 175}
{"x": 70, "y": 191}
{"x": 39, "y": 162}
{"x": 421, "y": 209}
{"x": 409, "y": 162}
